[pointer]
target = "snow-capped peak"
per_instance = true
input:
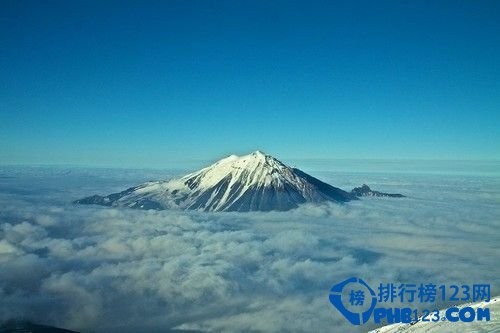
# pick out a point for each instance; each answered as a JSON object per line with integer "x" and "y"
{"x": 257, "y": 169}
{"x": 256, "y": 181}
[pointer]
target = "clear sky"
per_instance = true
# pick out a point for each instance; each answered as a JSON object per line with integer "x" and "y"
{"x": 150, "y": 83}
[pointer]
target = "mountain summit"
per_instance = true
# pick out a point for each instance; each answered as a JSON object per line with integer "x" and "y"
{"x": 254, "y": 182}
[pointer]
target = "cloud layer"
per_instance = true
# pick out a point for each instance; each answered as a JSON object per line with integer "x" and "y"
{"x": 119, "y": 270}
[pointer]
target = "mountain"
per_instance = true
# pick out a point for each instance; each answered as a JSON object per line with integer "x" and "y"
{"x": 254, "y": 182}
{"x": 20, "y": 326}
{"x": 366, "y": 191}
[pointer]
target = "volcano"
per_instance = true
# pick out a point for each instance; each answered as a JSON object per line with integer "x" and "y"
{"x": 254, "y": 182}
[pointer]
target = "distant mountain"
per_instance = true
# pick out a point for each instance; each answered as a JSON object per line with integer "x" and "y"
{"x": 254, "y": 182}
{"x": 21, "y": 326}
{"x": 366, "y": 191}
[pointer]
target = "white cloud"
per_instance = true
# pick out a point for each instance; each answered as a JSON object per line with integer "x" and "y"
{"x": 119, "y": 270}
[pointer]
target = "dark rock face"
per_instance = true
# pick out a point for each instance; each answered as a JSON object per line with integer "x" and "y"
{"x": 366, "y": 191}
{"x": 287, "y": 196}
{"x": 94, "y": 200}
{"x": 104, "y": 200}
{"x": 328, "y": 191}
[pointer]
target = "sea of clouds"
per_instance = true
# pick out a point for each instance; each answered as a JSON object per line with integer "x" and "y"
{"x": 100, "y": 269}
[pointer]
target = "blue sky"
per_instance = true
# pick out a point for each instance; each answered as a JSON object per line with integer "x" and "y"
{"x": 153, "y": 83}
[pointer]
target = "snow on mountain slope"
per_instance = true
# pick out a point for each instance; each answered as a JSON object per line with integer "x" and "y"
{"x": 254, "y": 182}
{"x": 492, "y": 326}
